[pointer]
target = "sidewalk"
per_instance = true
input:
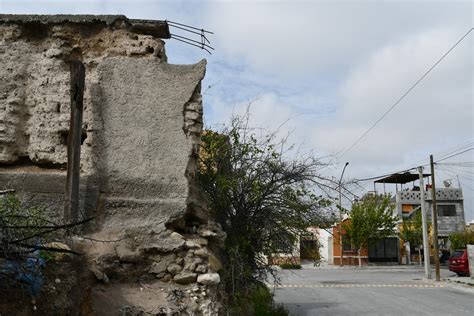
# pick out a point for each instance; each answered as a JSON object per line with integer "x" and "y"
{"x": 461, "y": 280}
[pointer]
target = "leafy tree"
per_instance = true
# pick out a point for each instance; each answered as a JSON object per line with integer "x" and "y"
{"x": 262, "y": 199}
{"x": 459, "y": 240}
{"x": 412, "y": 231}
{"x": 370, "y": 219}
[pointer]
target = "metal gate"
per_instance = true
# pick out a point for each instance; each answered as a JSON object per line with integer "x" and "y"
{"x": 384, "y": 250}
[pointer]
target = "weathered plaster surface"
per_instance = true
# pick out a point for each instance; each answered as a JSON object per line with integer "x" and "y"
{"x": 141, "y": 133}
{"x": 34, "y": 82}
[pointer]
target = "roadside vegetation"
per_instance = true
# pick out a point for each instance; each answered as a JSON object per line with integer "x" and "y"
{"x": 290, "y": 266}
{"x": 460, "y": 240}
{"x": 28, "y": 244}
{"x": 263, "y": 198}
{"x": 412, "y": 231}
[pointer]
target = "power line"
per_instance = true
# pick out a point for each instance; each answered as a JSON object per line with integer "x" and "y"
{"x": 449, "y": 151}
{"x": 454, "y": 155}
{"x": 456, "y": 171}
{"x": 455, "y": 174}
{"x": 441, "y": 154}
{"x": 406, "y": 170}
{"x": 406, "y": 93}
{"x": 460, "y": 166}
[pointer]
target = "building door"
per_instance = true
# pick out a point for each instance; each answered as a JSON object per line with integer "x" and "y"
{"x": 309, "y": 249}
{"x": 384, "y": 250}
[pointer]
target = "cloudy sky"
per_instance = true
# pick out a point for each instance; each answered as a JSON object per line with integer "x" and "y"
{"x": 326, "y": 71}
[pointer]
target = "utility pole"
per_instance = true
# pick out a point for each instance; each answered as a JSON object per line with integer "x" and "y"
{"x": 71, "y": 206}
{"x": 341, "y": 246}
{"x": 434, "y": 216}
{"x": 426, "y": 250}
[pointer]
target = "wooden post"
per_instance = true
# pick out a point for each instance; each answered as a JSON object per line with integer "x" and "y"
{"x": 71, "y": 208}
{"x": 434, "y": 216}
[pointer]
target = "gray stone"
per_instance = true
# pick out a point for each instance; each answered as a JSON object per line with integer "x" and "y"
{"x": 191, "y": 263}
{"x": 185, "y": 277}
{"x": 158, "y": 267}
{"x": 201, "y": 268}
{"x": 191, "y": 245}
{"x": 201, "y": 252}
{"x": 162, "y": 265}
{"x": 201, "y": 241}
{"x": 174, "y": 268}
{"x": 101, "y": 276}
{"x": 209, "y": 278}
{"x": 167, "y": 277}
{"x": 165, "y": 245}
{"x": 193, "y": 115}
{"x": 176, "y": 235}
{"x": 53, "y": 52}
{"x": 207, "y": 233}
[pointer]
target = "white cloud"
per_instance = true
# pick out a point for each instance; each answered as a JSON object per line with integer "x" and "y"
{"x": 304, "y": 37}
{"x": 437, "y": 111}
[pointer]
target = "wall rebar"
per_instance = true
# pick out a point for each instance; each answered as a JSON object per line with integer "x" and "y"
{"x": 203, "y": 41}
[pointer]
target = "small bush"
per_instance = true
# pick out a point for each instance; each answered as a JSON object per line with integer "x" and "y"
{"x": 259, "y": 302}
{"x": 290, "y": 266}
{"x": 459, "y": 240}
{"x": 263, "y": 303}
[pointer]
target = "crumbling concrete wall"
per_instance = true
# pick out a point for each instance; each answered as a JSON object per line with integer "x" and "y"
{"x": 141, "y": 133}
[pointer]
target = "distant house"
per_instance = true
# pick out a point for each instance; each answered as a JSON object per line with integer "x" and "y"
{"x": 450, "y": 211}
{"x": 407, "y": 199}
{"x": 349, "y": 254}
{"x": 324, "y": 245}
{"x": 312, "y": 246}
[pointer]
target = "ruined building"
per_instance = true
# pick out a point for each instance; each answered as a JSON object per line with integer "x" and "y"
{"x": 150, "y": 248}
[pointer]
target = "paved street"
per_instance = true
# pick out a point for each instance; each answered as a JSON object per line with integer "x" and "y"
{"x": 371, "y": 291}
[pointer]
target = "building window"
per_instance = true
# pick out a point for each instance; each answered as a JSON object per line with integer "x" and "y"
{"x": 346, "y": 243}
{"x": 446, "y": 210}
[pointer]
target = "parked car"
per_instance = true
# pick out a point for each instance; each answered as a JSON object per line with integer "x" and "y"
{"x": 458, "y": 262}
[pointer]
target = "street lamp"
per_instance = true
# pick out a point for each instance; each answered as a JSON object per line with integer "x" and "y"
{"x": 340, "y": 217}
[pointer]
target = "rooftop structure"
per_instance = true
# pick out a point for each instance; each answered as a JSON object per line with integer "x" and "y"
{"x": 449, "y": 201}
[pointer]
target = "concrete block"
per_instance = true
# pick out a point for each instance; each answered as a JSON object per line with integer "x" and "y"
{"x": 470, "y": 254}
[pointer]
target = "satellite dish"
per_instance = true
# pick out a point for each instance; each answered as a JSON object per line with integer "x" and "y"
{"x": 447, "y": 183}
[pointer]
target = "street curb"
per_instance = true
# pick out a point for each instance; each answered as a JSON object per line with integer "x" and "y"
{"x": 469, "y": 283}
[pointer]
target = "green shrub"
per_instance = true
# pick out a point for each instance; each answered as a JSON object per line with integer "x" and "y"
{"x": 290, "y": 266}
{"x": 258, "y": 302}
{"x": 459, "y": 240}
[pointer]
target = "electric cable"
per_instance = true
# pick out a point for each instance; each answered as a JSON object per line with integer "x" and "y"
{"x": 405, "y": 94}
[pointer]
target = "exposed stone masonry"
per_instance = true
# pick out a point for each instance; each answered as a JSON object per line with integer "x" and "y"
{"x": 141, "y": 134}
